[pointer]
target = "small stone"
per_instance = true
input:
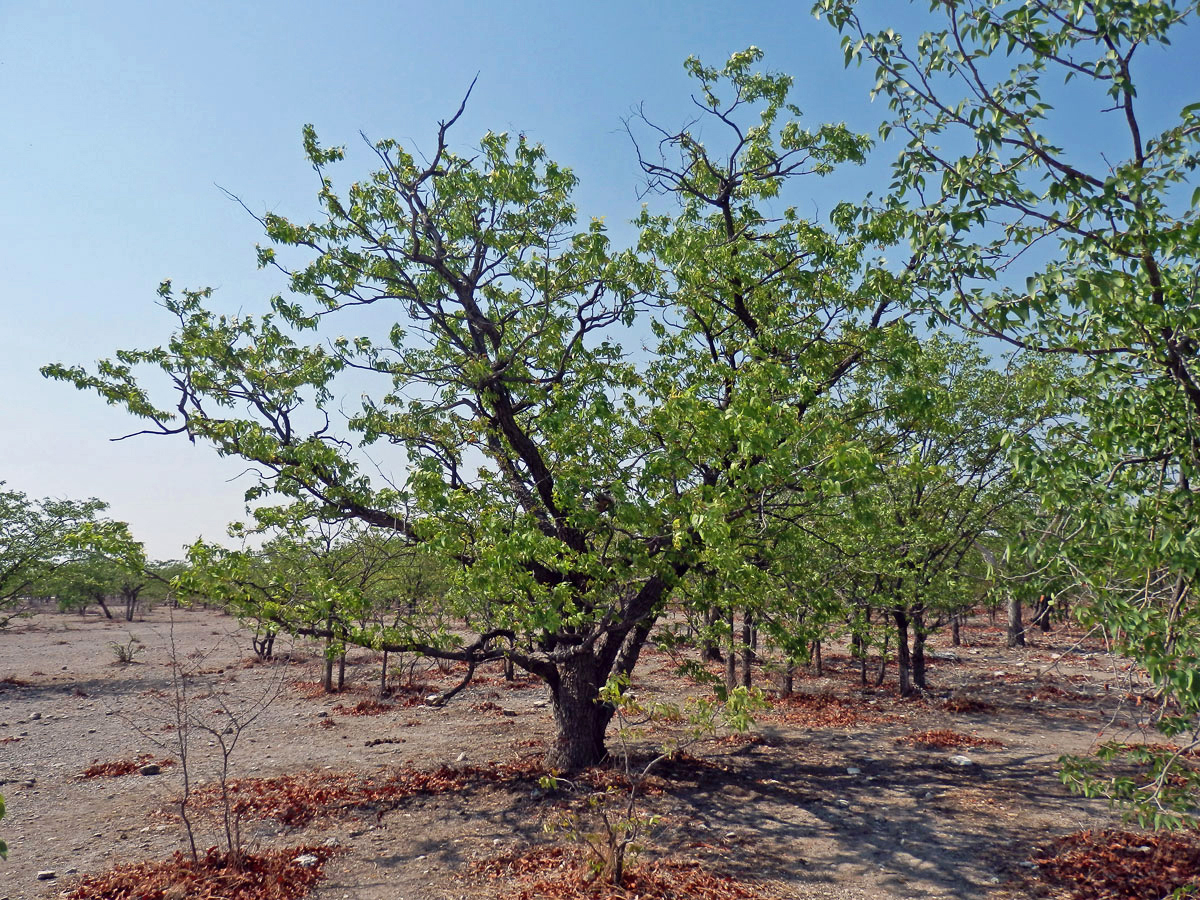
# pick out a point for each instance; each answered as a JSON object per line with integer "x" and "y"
{"x": 34, "y": 717}
{"x": 322, "y": 715}
{"x": 961, "y": 761}
{"x": 72, "y": 871}
{"x": 150, "y": 769}
{"x": 853, "y": 770}
{"x": 307, "y": 860}
{"x": 330, "y": 842}
{"x": 462, "y": 756}
{"x": 46, "y": 875}
{"x": 843, "y": 803}
{"x": 508, "y": 712}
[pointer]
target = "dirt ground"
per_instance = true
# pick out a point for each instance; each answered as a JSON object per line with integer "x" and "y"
{"x": 820, "y": 801}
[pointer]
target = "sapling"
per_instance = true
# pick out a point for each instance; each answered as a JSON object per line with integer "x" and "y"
{"x": 619, "y": 820}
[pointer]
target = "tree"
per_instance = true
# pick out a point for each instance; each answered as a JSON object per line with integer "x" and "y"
{"x": 571, "y": 488}
{"x": 36, "y": 538}
{"x": 1109, "y": 244}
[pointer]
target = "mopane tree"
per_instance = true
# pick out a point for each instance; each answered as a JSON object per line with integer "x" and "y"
{"x": 36, "y": 538}
{"x": 1091, "y": 251}
{"x": 571, "y": 487}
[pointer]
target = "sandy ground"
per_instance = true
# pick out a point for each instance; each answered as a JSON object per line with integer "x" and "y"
{"x": 824, "y": 812}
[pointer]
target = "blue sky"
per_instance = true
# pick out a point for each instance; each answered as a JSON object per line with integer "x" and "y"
{"x": 120, "y": 118}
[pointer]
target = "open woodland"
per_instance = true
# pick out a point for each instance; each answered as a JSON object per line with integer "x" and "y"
{"x": 769, "y": 554}
{"x": 837, "y": 791}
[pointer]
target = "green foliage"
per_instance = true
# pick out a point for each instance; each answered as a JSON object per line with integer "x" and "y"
{"x": 37, "y": 537}
{"x": 563, "y": 487}
{"x": 1088, "y": 255}
{"x": 612, "y": 820}
{"x": 127, "y": 652}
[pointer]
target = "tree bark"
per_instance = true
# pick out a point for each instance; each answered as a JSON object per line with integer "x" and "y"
{"x": 903, "y": 660}
{"x": 883, "y": 658}
{"x": 816, "y": 658}
{"x": 1016, "y": 629}
{"x": 104, "y": 606}
{"x": 956, "y": 631}
{"x": 918, "y": 651}
{"x": 710, "y": 650}
{"x": 581, "y": 717}
{"x": 731, "y": 658}
{"x": 747, "y": 648}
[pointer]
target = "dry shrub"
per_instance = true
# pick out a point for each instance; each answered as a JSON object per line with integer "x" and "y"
{"x": 557, "y": 873}
{"x": 944, "y": 738}
{"x": 270, "y": 875}
{"x": 1121, "y": 865}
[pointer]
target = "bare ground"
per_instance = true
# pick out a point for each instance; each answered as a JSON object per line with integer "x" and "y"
{"x": 821, "y": 801}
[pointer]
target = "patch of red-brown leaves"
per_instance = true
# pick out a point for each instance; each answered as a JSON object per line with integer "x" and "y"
{"x": 269, "y": 875}
{"x": 967, "y": 705}
{"x": 557, "y": 873}
{"x": 1121, "y": 865}
{"x": 364, "y": 708}
{"x": 825, "y": 711}
{"x": 118, "y": 767}
{"x": 943, "y": 737}
{"x": 296, "y": 800}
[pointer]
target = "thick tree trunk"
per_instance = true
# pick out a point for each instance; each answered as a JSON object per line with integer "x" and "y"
{"x": 104, "y": 606}
{"x": 1016, "y": 629}
{"x": 816, "y": 658}
{"x": 581, "y": 718}
{"x": 327, "y": 675}
{"x": 956, "y": 631}
{"x": 903, "y": 660}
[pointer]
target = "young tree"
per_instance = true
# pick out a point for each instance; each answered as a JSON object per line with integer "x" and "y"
{"x": 570, "y": 488}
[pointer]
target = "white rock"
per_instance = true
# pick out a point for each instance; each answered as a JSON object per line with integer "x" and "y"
{"x": 961, "y": 761}
{"x": 853, "y": 770}
{"x": 306, "y": 859}
{"x": 46, "y": 875}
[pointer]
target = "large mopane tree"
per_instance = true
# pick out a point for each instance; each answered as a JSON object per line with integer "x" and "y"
{"x": 570, "y": 484}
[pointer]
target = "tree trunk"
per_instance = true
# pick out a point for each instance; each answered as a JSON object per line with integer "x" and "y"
{"x": 383, "y": 688}
{"x": 1041, "y": 616}
{"x": 710, "y": 650}
{"x": 816, "y": 658}
{"x": 1016, "y": 630}
{"x": 341, "y": 672}
{"x": 918, "y": 651}
{"x": 747, "y": 648}
{"x": 883, "y": 658}
{"x": 581, "y": 718}
{"x": 956, "y": 631}
{"x": 789, "y": 679}
{"x": 104, "y": 606}
{"x": 903, "y": 660}
{"x": 731, "y": 658}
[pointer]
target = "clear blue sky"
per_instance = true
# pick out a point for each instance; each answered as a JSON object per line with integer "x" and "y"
{"x": 119, "y": 118}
